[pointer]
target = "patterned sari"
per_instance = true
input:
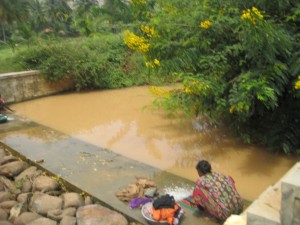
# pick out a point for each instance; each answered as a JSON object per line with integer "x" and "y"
{"x": 216, "y": 193}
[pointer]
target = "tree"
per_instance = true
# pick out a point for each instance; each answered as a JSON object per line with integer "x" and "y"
{"x": 85, "y": 16}
{"x": 37, "y": 18}
{"x": 58, "y": 14}
{"x": 83, "y": 6}
{"x": 238, "y": 62}
{"x": 11, "y": 11}
{"x": 117, "y": 10}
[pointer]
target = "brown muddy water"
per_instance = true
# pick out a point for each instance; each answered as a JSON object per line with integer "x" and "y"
{"x": 115, "y": 119}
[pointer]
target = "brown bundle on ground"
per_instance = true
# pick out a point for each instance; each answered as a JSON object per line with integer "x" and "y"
{"x": 136, "y": 190}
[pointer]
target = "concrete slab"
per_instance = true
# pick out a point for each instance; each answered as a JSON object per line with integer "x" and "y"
{"x": 96, "y": 171}
{"x": 266, "y": 209}
{"x": 290, "y": 207}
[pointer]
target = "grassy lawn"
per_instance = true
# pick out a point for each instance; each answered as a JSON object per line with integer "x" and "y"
{"x": 8, "y": 63}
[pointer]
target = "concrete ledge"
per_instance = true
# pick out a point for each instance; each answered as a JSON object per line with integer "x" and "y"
{"x": 26, "y": 85}
{"x": 290, "y": 206}
{"x": 18, "y": 74}
{"x": 279, "y": 204}
{"x": 266, "y": 209}
{"x": 296, "y": 212}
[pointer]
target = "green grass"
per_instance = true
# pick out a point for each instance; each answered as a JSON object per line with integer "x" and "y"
{"x": 8, "y": 61}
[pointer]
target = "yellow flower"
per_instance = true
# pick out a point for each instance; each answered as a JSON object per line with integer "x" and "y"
{"x": 135, "y": 42}
{"x": 156, "y": 62}
{"x": 205, "y": 24}
{"x": 257, "y": 13}
{"x": 149, "y": 31}
{"x": 246, "y": 15}
{"x": 232, "y": 108}
{"x": 252, "y": 14}
{"x": 149, "y": 65}
{"x": 153, "y": 64}
{"x": 188, "y": 90}
{"x": 297, "y": 84}
{"x": 196, "y": 88}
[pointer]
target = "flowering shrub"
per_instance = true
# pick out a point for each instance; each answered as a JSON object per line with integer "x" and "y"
{"x": 297, "y": 84}
{"x": 196, "y": 88}
{"x": 239, "y": 67}
{"x": 205, "y": 24}
{"x": 136, "y": 42}
{"x": 149, "y": 31}
{"x": 252, "y": 15}
{"x": 153, "y": 64}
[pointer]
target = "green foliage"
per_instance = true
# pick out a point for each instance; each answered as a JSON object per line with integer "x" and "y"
{"x": 117, "y": 10}
{"x": 8, "y": 61}
{"x": 91, "y": 62}
{"x": 20, "y": 20}
{"x": 249, "y": 92}
{"x": 85, "y": 18}
{"x": 11, "y": 11}
{"x": 239, "y": 63}
{"x": 141, "y": 9}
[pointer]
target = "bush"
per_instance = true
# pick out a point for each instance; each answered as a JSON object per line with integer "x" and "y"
{"x": 96, "y": 62}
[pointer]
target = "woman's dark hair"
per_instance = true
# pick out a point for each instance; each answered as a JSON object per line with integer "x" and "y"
{"x": 204, "y": 167}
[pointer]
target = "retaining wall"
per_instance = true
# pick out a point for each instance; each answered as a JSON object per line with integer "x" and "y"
{"x": 21, "y": 86}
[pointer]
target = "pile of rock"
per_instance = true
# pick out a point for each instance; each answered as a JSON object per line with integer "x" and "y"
{"x": 30, "y": 196}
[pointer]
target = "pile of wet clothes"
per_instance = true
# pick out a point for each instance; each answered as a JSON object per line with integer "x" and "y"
{"x": 164, "y": 208}
{"x": 143, "y": 188}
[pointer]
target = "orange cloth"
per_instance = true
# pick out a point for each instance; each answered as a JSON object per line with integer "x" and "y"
{"x": 165, "y": 214}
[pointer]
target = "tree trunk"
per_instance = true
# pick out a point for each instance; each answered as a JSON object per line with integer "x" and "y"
{"x": 3, "y": 33}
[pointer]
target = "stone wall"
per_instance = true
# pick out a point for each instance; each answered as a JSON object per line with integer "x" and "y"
{"x": 21, "y": 86}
